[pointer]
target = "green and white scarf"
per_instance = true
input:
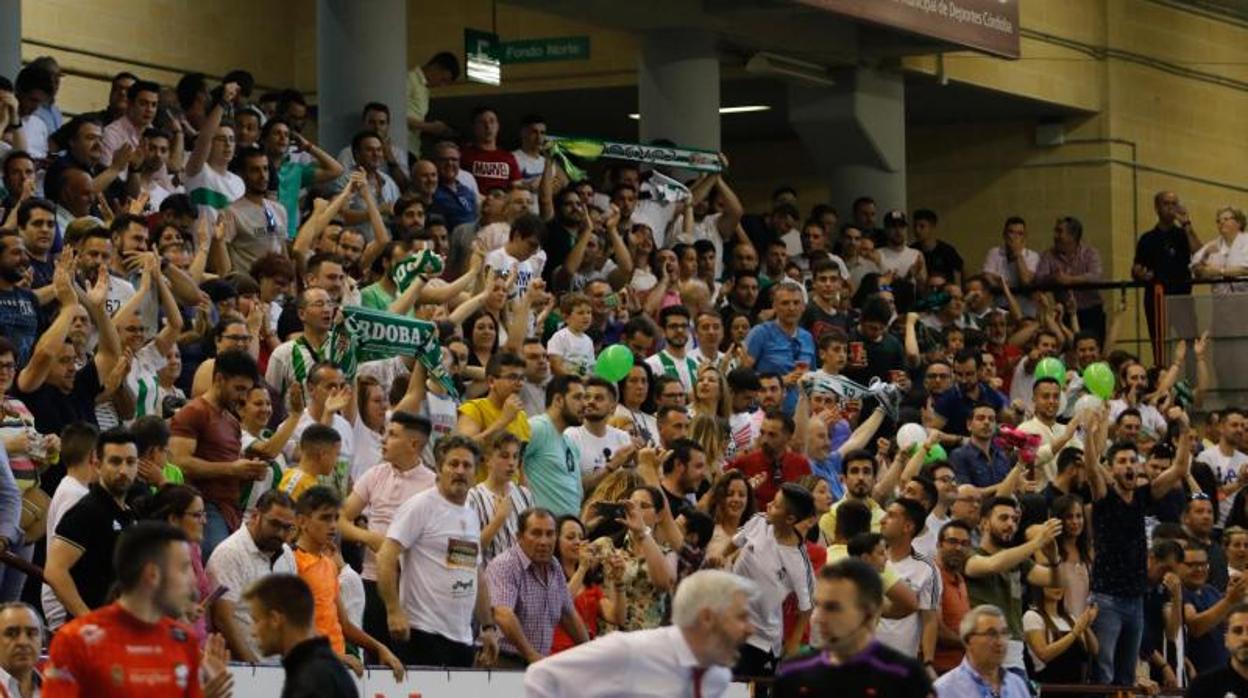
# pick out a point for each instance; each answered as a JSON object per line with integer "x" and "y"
{"x": 365, "y": 334}
{"x": 573, "y": 153}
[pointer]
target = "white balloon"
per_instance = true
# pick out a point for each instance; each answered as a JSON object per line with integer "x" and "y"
{"x": 1088, "y": 402}
{"x": 910, "y": 435}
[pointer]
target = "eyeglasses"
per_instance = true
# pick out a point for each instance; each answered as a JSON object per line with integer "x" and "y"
{"x": 1197, "y": 497}
{"x": 993, "y": 635}
{"x": 8, "y": 366}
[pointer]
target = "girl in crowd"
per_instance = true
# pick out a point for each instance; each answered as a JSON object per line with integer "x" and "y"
{"x": 637, "y": 403}
{"x": 730, "y": 503}
{"x": 1076, "y": 553}
{"x": 183, "y": 508}
{"x": 1059, "y": 645}
{"x": 593, "y": 571}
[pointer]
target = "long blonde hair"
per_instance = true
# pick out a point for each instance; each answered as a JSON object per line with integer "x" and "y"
{"x": 710, "y": 433}
{"x": 615, "y": 487}
{"x": 723, "y": 407}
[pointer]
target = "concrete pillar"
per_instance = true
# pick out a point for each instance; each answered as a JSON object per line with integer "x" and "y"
{"x": 10, "y": 38}
{"x": 678, "y": 88}
{"x": 856, "y": 135}
{"x": 361, "y": 57}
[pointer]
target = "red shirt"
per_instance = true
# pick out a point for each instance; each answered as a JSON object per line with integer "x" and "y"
{"x": 1005, "y": 356}
{"x": 109, "y": 652}
{"x": 793, "y": 467}
{"x": 587, "y": 604}
{"x": 954, "y": 603}
{"x": 493, "y": 169}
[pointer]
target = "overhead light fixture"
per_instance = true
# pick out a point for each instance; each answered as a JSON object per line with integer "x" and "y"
{"x": 743, "y": 109}
{"x": 766, "y": 63}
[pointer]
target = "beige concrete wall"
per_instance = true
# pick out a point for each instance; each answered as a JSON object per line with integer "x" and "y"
{"x": 211, "y": 37}
{"x": 1189, "y": 130}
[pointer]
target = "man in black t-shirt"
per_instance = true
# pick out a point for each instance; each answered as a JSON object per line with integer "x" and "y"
{"x": 940, "y": 258}
{"x": 848, "y": 599}
{"x": 1163, "y": 255}
{"x": 80, "y": 557}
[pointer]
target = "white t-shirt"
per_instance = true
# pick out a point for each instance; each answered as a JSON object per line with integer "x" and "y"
{"x": 646, "y": 426}
{"x": 367, "y": 451}
{"x": 277, "y": 467}
{"x": 443, "y": 413}
{"x": 1226, "y": 469}
{"x": 213, "y": 191}
{"x": 898, "y": 261}
{"x": 1032, "y": 620}
{"x": 530, "y": 268}
{"x": 778, "y": 570}
{"x": 904, "y": 634}
{"x": 441, "y": 555}
{"x": 67, "y": 494}
{"x": 142, "y": 380}
{"x": 575, "y": 350}
{"x": 596, "y": 450}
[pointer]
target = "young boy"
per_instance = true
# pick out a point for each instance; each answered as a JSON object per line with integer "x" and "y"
{"x": 498, "y": 500}
{"x": 571, "y": 351}
{"x": 318, "y": 454}
{"x": 764, "y": 541}
{"x": 823, "y": 312}
{"x": 523, "y": 252}
{"x": 316, "y": 513}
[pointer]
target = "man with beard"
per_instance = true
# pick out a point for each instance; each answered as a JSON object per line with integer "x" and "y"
{"x": 80, "y": 567}
{"x": 742, "y": 296}
{"x": 980, "y": 462}
{"x": 850, "y": 596}
{"x": 954, "y": 407}
{"x": 692, "y": 656}
{"x": 156, "y": 583}
{"x": 997, "y": 569}
{"x": 256, "y": 550}
{"x": 434, "y": 544}
{"x": 551, "y": 460}
{"x": 772, "y": 460}
{"x": 207, "y": 444}
{"x": 683, "y": 473}
{"x": 530, "y": 593}
{"x": 19, "y": 308}
{"x": 952, "y": 550}
{"x": 254, "y": 224}
{"x": 996, "y": 335}
{"x": 36, "y": 219}
{"x": 1232, "y": 679}
{"x": 858, "y": 479}
{"x": 674, "y": 359}
{"x": 536, "y": 375}
{"x": 1119, "y": 570}
{"x": 604, "y": 449}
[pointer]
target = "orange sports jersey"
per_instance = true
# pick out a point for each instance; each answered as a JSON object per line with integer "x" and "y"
{"x": 109, "y": 653}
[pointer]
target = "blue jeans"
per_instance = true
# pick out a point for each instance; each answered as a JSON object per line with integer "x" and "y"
{"x": 12, "y": 579}
{"x": 1119, "y": 627}
{"x": 215, "y": 530}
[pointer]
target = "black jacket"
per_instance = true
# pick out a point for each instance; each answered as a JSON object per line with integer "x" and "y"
{"x": 314, "y": 671}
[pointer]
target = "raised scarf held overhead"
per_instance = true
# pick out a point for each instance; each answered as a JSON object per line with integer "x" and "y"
{"x": 365, "y": 334}
{"x": 573, "y": 154}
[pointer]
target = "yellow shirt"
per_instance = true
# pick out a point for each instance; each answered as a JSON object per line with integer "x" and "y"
{"x": 485, "y": 413}
{"x": 827, "y": 523}
{"x": 417, "y": 105}
{"x": 295, "y": 482}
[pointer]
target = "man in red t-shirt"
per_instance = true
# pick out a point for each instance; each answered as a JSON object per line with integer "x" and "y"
{"x": 493, "y": 167}
{"x": 772, "y": 463}
{"x": 133, "y": 648}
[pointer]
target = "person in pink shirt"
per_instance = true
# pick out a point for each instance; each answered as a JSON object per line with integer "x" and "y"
{"x": 378, "y": 494}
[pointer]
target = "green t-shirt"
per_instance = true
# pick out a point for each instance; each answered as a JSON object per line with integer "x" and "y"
{"x": 376, "y": 297}
{"x": 1005, "y": 591}
{"x": 552, "y": 466}
{"x": 293, "y": 177}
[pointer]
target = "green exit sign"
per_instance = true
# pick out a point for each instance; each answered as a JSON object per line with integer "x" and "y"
{"x": 561, "y": 48}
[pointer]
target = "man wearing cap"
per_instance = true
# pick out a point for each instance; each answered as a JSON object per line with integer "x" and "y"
{"x": 896, "y": 257}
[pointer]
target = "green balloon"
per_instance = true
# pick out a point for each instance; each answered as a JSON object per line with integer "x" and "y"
{"x": 1050, "y": 367}
{"x": 935, "y": 453}
{"x": 1099, "y": 378}
{"x": 614, "y": 363}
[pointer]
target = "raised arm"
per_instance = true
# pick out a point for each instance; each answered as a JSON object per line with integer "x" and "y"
{"x": 381, "y": 234}
{"x": 203, "y": 141}
{"x": 1007, "y": 559}
{"x": 48, "y": 349}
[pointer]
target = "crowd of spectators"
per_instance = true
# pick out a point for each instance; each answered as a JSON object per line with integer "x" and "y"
{"x": 172, "y": 268}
